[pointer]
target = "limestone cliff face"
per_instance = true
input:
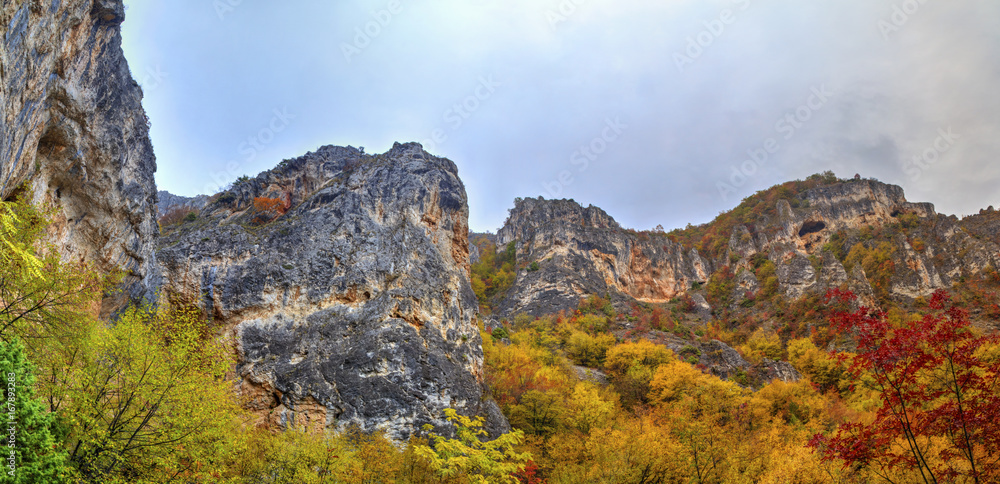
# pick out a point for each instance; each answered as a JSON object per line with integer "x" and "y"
{"x": 933, "y": 254}
{"x": 73, "y": 129}
{"x": 354, "y": 307}
{"x": 167, "y": 201}
{"x": 584, "y": 251}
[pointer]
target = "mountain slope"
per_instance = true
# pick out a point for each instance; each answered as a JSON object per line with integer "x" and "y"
{"x": 74, "y": 133}
{"x": 816, "y": 236}
{"x": 342, "y": 279}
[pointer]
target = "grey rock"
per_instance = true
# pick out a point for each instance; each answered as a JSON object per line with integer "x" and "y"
{"x": 73, "y": 129}
{"x": 583, "y": 251}
{"x": 168, "y": 201}
{"x": 354, "y": 308}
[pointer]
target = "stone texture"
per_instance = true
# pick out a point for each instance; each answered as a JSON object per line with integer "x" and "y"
{"x": 167, "y": 201}
{"x": 584, "y": 251}
{"x": 73, "y": 129}
{"x": 354, "y": 307}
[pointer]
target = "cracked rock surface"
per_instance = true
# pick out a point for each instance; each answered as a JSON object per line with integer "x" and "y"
{"x": 352, "y": 308}
{"x": 73, "y": 133}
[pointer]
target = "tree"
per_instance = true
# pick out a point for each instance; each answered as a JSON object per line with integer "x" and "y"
{"x": 147, "y": 400}
{"x": 539, "y": 413}
{"x": 267, "y": 208}
{"x": 468, "y": 455}
{"x": 31, "y": 430}
{"x": 40, "y": 296}
{"x": 631, "y": 367}
{"x": 937, "y": 382}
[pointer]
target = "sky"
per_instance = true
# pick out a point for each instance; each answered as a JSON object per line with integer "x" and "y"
{"x": 660, "y": 112}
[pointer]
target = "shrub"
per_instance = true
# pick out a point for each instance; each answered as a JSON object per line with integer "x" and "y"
{"x": 225, "y": 198}
{"x": 267, "y": 209}
{"x": 587, "y": 350}
{"x": 177, "y": 216}
{"x": 500, "y": 333}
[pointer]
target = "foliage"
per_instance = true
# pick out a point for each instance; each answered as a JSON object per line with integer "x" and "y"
{"x": 588, "y": 350}
{"x": 631, "y": 366}
{"x": 762, "y": 344}
{"x": 40, "y": 297}
{"x": 936, "y": 382}
{"x": 597, "y": 306}
{"x": 468, "y": 455}
{"x": 823, "y": 370}
{"x": 493, "y": 274}
{"x": 720, "y": 287}
{"x": 267, "y": 209}
{"x": 178, "y": 215}
{"x": 500, "y": 333}
{"x": 148, "y": 400}
{"x": 33, "y": 435}
{"x": 878, "y": 264}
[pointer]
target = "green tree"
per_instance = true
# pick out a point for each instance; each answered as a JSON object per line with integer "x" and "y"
{"x": 40, "y": 296}
{"x": 148, "y": 402}
{"x": 470, "y": 457}
{"x": 31, "y": 436}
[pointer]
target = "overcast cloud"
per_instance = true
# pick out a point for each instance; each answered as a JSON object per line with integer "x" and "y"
{"x": 652, "y": 110}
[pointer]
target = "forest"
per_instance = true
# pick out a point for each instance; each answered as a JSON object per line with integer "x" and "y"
{"x": 903, "y": 396}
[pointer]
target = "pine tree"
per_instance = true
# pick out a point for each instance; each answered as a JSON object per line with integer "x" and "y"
{"x": 31, "y": 451}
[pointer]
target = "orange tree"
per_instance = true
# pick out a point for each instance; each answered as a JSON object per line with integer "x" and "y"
{"x": 937, "y": 383}
{"x": 267, "y": 208}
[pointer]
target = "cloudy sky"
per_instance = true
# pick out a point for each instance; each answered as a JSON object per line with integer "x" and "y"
{"x": 661, "y": 112}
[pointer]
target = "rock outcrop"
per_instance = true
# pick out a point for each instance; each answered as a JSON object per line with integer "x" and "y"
{"x": 723, "y": 361}
{"x": 167, "y": 201}
{"x": 353, "y": 307}
{"x": 74, "y": 134}
{"x": 933, "y": 252}
{"x": 583, "y": 251}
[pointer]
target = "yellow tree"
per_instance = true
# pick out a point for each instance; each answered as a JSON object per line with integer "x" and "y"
{"x": 472, "y": 458}
{"x": 148, "y": 401}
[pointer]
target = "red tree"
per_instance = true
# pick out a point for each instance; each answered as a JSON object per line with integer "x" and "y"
{"x": 940, "y": 403}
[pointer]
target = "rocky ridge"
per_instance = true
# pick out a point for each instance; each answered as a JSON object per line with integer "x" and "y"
{"x": 354, "y": 306}
{"x": 582, "y": 251}
{"x": 167, "y": 201}
{"x": 74, "y": 134}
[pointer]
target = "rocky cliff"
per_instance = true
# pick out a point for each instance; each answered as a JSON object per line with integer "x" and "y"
{"x": 811, "y": 244}
{"x": 73, "y": 132}
{"x": 167, "y": 201}
{"x": 346, "y": 295}
{"x": 808, "y": 235}
{"x": 583, "y": 251}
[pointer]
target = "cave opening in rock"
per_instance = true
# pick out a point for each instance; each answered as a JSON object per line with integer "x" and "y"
{"x": 811, "y": 228}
